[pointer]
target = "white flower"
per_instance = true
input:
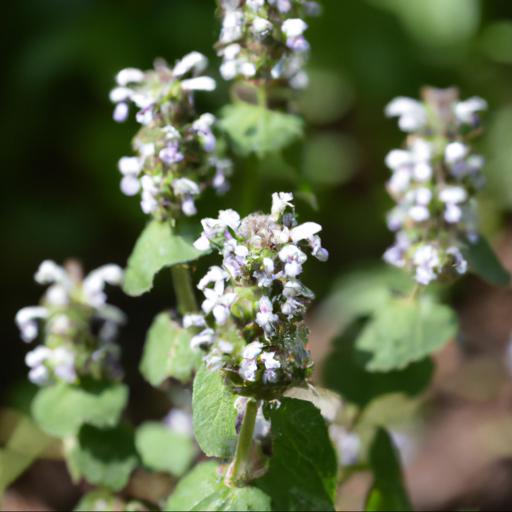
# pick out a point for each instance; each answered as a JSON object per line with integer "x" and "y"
{"x": 247, "y": 69}
{"x": 465, "y": 111}
{"x": 422, "y": 172}
{"x": 232, "y": 26}
{"x": 193, "y": 320}
{"x": 229, "y": 218}
{"x": 200, "y": 83}
{"x": 265, "y": 317}
{"x": 129, "y": 165}
{"x": 293, "y": 258}
{"x": 49, "y": 272}
{"x": 39, "y": 375}
{"x": 419, "y": 213}
{"x": 121, "y": 112}
{"x": 270, "y": 361}
{"x": 252, "y": 350}
{"x": 150, "y": 189}
{"x": 193, "y": 61}
{"x": 294, "y": 27}
{"x": 37, "y": 356}
{"x": 397, "y": 158}
{"x": 260, "y": 25}
{"x": 426, "y": 259}
{"x": 204, "y": 338}
{"x": 270, "y": 376}
{"x": 171, "y": 153}
{"x": 202, "y": 243}
{"x": 94, "y": 283}
{"x": 129, "y": 185}
{"x": 453, "y": 195}
{"x": 214, "y": 275}
{"x": 26, "y": 320}
{"x": 63, "y": 361}
{"x": 255, "y": 4}
{"x": 423, "y": 196}
{"x": 452, "y": 213}
{"x": 461, "y": 264}
{"x": 225, "y": 346}
{"x": 304, "y": 231}
{"x": 455, "y": 151}
{"x": 281, "y": 201}
{"x": 129, "y": 76}
{"x": 184, "y": 186}
{"x": 399, "y": 181}
{"x": 411, "y": 113}
{"x": 283, "y": 6}
{"x": 120, "y": 94}
{"x": 248, "y": 369}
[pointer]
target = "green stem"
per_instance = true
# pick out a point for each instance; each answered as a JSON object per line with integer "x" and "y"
{"x": 262, "y": 96}
{"x": 183, "y": 289}
{"x": 238, "y": 469}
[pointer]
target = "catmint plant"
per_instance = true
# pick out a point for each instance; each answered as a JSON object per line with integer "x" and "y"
{"x": 434, "y": 181}
{"x": 76, "y": 326}
{"x": 176, "y": 152}
{"x": 252, "y": 322}
{"x": 263, "y": 41}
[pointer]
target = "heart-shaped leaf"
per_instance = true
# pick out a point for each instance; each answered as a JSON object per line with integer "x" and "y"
{"x": 158, "y": 247}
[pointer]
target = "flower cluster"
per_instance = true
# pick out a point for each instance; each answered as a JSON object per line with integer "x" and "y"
{"x": 252, "y": 321}
{"x": 434, "y": 181}
{"x": 177, "y": 154}
{"x": 264, "y": 40}
{"x": 77, "y": 325}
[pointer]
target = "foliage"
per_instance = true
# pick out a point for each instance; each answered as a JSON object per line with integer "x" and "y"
{"x": 387, "y": 491}
{"x": 303, "y": 469}
{"x": 204, "y": 489}
{"x": 158, "y": 247}
{"x": 405, "y": 331}
{"x": 62, "y": 409}
{"x": 162, "y": 449}
{"x": 214, "y": 414}
{"x": 256, "y": 129}
{"x": 167, "y": 352}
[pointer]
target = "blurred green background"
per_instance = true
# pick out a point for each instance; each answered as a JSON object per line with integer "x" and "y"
{"x": 60, "y": 195}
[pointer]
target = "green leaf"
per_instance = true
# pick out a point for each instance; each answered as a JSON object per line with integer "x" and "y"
{"x": 214, "y": 414}
{"x": 26, "y": 443}
{"x": 484, "y": 262}
{"x": 104, "y": 457}
{"x": 303, "y": 469}
{"x": 203, "y": 489}
{"x": 157, "y": 247}
{"x": 344, "y": 372}
{"x": 167, "y": 352}
{"x": 61, "y": 409}
{"x": 403, "y": 332}
{"x": 163, "y": 449}
{"x": 387, "y": 492}
{"x": 361, "y": 292}
{"x": 254, "y": 129}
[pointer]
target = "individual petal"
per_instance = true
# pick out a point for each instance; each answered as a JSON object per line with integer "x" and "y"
{"x": 200, "y": 83}
{"x": 193, "y": 61}
{"x": 305, "y": 231}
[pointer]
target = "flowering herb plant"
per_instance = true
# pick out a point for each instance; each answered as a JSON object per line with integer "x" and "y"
{"x": 247, "y": 429}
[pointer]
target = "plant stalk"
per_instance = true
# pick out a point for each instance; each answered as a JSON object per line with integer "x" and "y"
{"x": 183, "y": 288}
{"x": 238, "y": 469}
